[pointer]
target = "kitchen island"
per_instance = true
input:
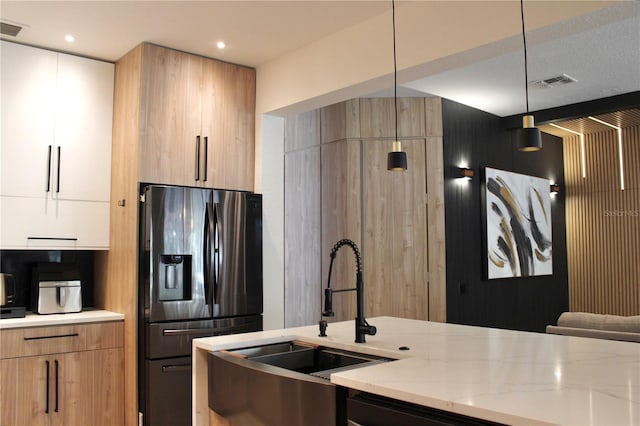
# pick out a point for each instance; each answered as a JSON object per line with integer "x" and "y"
{"x": 504, "y": 376}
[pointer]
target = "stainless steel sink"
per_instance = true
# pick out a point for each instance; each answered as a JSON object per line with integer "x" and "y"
{"x": 286, "y": 383}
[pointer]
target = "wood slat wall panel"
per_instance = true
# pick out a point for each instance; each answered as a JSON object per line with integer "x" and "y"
{"x": 603, "y": 224}
{"x": 302, "y": 237}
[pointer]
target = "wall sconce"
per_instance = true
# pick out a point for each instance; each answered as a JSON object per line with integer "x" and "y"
{"x": 554, "y": 188}
{"x": 465, "y": 173}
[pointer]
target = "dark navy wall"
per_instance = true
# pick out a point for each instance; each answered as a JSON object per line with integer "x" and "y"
{"x": 477, "y": 139}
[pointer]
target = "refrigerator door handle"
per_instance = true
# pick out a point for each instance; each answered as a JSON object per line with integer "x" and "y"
{"x": 217, "y": 250}
{"x": 208, "y": 253}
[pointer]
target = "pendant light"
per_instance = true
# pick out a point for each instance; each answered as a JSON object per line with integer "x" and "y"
{"x": 397, "y": 158}
{"x": 528, "y": 138}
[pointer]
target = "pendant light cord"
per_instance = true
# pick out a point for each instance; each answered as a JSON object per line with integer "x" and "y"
{"x": 395, "y": 66}
{"x": 524, "y": 42}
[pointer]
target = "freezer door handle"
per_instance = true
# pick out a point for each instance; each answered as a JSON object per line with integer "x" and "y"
{"x": 185, "y": 331}
{"x": 176, "y": 368}
{"x": 192, "y": 331}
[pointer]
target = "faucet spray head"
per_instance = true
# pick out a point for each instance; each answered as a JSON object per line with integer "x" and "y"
{"x": 328, "y": 303}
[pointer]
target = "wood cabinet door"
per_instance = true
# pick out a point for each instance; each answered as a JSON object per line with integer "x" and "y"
{"x": 395, "y": 232}
{"x": 24, "y": 390}
{"x": 212, "y": 154}
{"x": 28, "y": 86}
{"x": 170, "y": 121}
{"x": 84, "y": 120}
{"x": 237, "y": 161}
{"x": 90, "y": 388}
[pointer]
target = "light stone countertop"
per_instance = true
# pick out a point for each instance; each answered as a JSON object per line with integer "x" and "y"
{"x": 35, "y": 320}
{"x": 504, "y": 376}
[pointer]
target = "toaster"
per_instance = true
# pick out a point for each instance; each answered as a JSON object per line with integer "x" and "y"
{"x": 55, "y": 289}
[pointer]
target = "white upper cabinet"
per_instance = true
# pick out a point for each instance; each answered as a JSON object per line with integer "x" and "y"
{"x": 28, "y": 100}
{"x": 84, "y": 117}
{"x": 55, "y": 151}
{"x": 57, "y": 113}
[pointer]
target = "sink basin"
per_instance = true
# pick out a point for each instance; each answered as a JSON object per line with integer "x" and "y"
{"x": 260, "y": 385}
{"x": 316, "y": 361}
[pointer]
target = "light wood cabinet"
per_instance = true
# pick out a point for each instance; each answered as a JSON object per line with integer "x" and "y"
{"x": 197, "y": 120}
{"x": 396, "y": 219}
{"x": 62, "y": 375}
{"x": 55, "y": 148}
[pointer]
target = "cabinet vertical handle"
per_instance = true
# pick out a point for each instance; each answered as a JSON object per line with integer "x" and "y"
{"x": 197, "y": 158}
{"x": 206, "y": 155}
{"x": 49, "y": 170}
{"x": 56, "y": 364}
{"x": 46, "y": 408}
{"x": 58, "y": 179}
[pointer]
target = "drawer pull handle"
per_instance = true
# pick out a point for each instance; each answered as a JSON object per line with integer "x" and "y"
{"x": 56, "y": 364}
{"x": 52, "y": 337}
{"x": 54, "y": 238}
{"x": 46, "y": 410}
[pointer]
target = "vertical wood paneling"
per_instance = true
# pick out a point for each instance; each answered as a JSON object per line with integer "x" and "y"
{"x": 377, "y": 118}
{"x": 436, "y": 247}
{"x": 341, "y": 218}
{"x": 603, "y": 224}
{"x": 116, "y": 272}
{"x": 340, "y": 121}
{"x": 302, "y": 131}
{"x": 302, "y": 237}
{"x": 395, "y": 253}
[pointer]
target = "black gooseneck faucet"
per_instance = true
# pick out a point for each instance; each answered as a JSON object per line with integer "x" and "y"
{"x": 362, "y": 326}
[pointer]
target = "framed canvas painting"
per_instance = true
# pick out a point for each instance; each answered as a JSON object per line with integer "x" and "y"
{"x": 518, "y": 225}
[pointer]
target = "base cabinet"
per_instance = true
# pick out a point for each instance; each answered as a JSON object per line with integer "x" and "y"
{"x": 74, "y": 388}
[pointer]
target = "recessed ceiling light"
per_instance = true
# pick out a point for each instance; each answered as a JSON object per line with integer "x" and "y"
{"x": 221, "y": 44}
{"x": 69, "y": 38}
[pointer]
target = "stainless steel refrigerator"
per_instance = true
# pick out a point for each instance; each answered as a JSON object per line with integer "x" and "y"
{"x": 200, "y": 275}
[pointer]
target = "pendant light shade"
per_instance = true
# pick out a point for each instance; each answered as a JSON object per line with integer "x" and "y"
{"x": 397, "y": 158}
{"x": 528, "y": 138}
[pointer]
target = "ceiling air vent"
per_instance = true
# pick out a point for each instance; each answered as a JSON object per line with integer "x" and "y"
{"x": 9, "y": 29}
{"x": 550, "y": 82}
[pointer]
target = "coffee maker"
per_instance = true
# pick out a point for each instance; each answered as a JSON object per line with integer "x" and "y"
{"x": 10, "y": 298}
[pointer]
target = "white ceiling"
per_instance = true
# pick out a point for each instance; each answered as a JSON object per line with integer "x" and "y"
{"x": 601, "y": 50}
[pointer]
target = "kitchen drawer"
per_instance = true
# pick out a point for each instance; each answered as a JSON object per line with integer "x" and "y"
{"x": 104, "y": 335}
{"x": 42, "y": 340}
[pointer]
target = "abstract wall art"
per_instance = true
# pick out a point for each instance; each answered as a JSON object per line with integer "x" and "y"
{"x": 518, "y": 225}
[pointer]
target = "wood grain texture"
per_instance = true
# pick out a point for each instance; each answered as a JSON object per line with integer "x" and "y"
{"x": 603, "y": 224}
{"x": 238, "y": 120}
{"x": 104, "y": 335}
{"x": 341, "y": 218}
{"x": 170, "y": 115}
{"x": 377, "y": 118}
{"x": 8, "y": 391}
{"x": 340, "y": 121}
{"x": 302, "y": 131}
{"x": 22, "y": 342}
{"x": 302, "y": 236}
{"x": 436, "y": 238}
{"x": 212, "y": 91}
{"x": 116, "y": 270}
{"x": 395, "y": 240}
